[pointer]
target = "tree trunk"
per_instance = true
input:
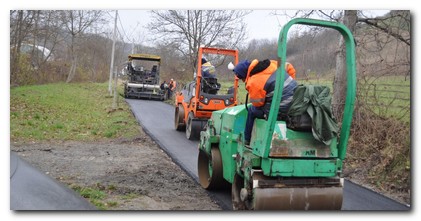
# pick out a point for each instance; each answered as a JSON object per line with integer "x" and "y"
{"x": 17, "y": 42}
{"x": 339, "y": 84}
{"x": 72, "y": 71}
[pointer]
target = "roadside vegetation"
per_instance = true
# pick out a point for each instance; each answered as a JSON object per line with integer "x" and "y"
{"x": 379, "y": 148}
{"x": 78, "y": 111}
{"x": 97, "y": 195}
{"x": 71, "y": 112}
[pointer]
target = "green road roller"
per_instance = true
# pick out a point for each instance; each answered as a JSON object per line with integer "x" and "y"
{"x": 285, "y": 166}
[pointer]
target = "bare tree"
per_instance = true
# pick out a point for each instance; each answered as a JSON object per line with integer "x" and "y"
{"x": 374, "y": 37}
{"x": 190, "y": 29}
{"x": 339, "y": 84}
{"x": 76, "y": 23}
{"x": 391, "y": 34}
{"x": 398, "y": 29}
{"x": 260, "y": 49}
{"x": 21, "y": 23}
{"x": 38, "y": 31}
{"x": 46, "y": 33}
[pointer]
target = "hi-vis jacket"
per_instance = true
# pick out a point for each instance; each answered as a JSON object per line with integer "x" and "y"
{"x": 290, "y": 69}
{"x": 259, "y": 82}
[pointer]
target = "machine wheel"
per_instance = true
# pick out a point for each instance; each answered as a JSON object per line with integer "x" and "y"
{"x": 125, "y": 92}
{"x": 179, "y": 118}
{"x": 193, "y": 128}
{"x": 237, "y": 185}
{"x": 237, "y": 194}
{"x": 210, "y": 170}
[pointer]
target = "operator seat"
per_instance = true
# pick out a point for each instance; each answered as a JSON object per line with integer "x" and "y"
{"x": 210, "y": 85}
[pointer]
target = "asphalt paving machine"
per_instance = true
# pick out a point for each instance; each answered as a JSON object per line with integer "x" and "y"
{"x": 143, "y": 82}
{"x": 195, "y": 103}
{"x": 282, "y": 168}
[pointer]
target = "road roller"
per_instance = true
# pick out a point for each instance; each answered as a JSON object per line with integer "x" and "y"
{"x": 283, "y": 167}
{"x": 197, "y": 100}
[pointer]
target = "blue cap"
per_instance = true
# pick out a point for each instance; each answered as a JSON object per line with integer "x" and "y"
{"x": 241, "y": 69}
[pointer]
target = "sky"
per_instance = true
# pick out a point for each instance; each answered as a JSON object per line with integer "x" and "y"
{"x": 412, "y": 5}
{"x": 261, "y": 24}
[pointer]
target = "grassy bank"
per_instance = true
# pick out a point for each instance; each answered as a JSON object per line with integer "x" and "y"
{"x": 68, "y": 112}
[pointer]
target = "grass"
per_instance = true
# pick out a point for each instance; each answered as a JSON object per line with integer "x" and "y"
{"x": 130, "y": 196}
{"x": 62, "y": 111}
{"x": 388, "y": 96}
{"x": 95, "y": 195}
{"x": 79, "y": 112}
{"x": 241, "y": 90}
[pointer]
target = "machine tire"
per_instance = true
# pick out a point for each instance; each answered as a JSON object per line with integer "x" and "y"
{"x": 237, "y": 185}
{"x": 125, "y": 92}
{"x": 179, "y": 118}
{"x": 210, "y": 170}
{"x": 193, "y": 128}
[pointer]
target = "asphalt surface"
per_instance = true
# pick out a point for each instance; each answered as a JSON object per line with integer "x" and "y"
{"x": 157, "y": 119}
{"x": 31, "y": 189}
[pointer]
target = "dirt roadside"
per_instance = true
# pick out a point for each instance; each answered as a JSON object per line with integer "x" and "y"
{"x": 135, "y": 174}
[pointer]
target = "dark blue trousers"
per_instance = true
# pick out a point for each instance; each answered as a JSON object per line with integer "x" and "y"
{"x": 253, "y": 113}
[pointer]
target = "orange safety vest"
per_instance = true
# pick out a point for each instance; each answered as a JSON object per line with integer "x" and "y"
{"x": 255, "y": 84}
{"x": 290, "y": 69}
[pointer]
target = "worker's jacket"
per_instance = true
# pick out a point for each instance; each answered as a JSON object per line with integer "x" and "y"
{"x": 207, "y": 70}
{"x": 290, "y": 69}
{"x": 257, "y": 75}
{"x": 260, "y": 83}
{"x": 173, "y": 85}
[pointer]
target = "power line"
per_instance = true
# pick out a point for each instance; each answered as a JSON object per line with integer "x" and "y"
{"x": 124, "y": 31}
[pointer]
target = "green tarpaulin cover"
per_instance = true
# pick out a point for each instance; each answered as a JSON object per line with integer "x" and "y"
{"x": 316, "y": 102}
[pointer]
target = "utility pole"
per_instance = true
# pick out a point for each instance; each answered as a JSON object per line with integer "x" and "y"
{"x": 115, "y": 88}
{"x": 112, "y": 54}
{"x": 133, "y": 47}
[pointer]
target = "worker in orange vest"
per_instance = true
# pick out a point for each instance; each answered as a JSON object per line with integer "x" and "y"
{"x": 290, "y": 69}
{"x": 260, "y": 79}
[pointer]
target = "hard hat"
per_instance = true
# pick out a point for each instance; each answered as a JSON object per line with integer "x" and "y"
{"x": 231, "y": 66}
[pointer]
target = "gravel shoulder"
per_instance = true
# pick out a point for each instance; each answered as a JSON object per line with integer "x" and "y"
{"x": 135, "y": 174}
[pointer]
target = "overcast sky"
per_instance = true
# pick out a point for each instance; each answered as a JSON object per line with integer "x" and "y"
{"x": 261, "y": 24}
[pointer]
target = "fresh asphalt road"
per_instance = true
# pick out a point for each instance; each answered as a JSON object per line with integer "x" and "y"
{"x": 157, "y": 119}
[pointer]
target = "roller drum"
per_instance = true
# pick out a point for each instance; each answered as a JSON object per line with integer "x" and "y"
{"x": 300, "y": 198}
